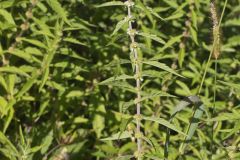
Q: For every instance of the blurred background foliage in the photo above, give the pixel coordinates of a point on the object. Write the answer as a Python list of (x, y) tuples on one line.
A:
[(54, 54)]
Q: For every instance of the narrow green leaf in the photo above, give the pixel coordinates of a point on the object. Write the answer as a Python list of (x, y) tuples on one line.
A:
[(78, 120), (74, 41), (35, 42), (121, 77), (126, 157), (22, 139), (56, 6), (21, 54), (181, 56), (44, 78), (118, 136), (27, 85), (120, 25), (7, 16), (99, 120), (3, 105), (46, 142), (226, 117), (172, 41), (11, 69), (194, 35), (162, 66), (3, 83), (9, 116), (113, 3), (154, 13), (175, 16), (5, 141), (44, 27), (164, 123), (233, 85), (148, 141), (11, 83), (33, 51), (73, 93), (55, 85), (152, 36), (171, 3)]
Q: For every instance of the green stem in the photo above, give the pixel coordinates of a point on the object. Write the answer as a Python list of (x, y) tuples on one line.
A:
[(214, 105)]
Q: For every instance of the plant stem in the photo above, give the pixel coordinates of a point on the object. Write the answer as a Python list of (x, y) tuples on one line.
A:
[(137, 76), (214, 105)]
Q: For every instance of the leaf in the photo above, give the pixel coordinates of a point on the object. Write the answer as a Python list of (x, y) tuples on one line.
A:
[(113, 3), (73, 93), (27, 85), (7, 143), (194, 18), (125, 157), (55, 85), (226, 117), (99, 120), (78, 120), (117, 62), (7, 16), (194, 35), (44, 27), (181, 56), (118, 136), (44, 78), (121, 77), (153, 94), (56, 6), (22, 139), (34, 42), (6, 4), (171, 42), (146, 96), (11, 69), (33, 51), (123, 85), (154, 13), (171, 3), (3, 105), (120, 25), (232, 22), (148, 141), (11, 83), (184, 90), (46, 142), (3, 83), (74, 41), (21, 54), (164, 123), (162, 66), (9, 116), (174, 16), (233, 85), (35, 149), (152, 36), (153, 73)]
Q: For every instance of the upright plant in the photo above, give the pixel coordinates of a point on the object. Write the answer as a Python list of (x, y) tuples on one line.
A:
[(136, 61)]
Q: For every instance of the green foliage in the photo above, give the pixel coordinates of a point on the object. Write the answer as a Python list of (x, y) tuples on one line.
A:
[(68, 81)]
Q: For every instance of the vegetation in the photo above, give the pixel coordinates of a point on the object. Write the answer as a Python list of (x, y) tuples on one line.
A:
[(134, 79)]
